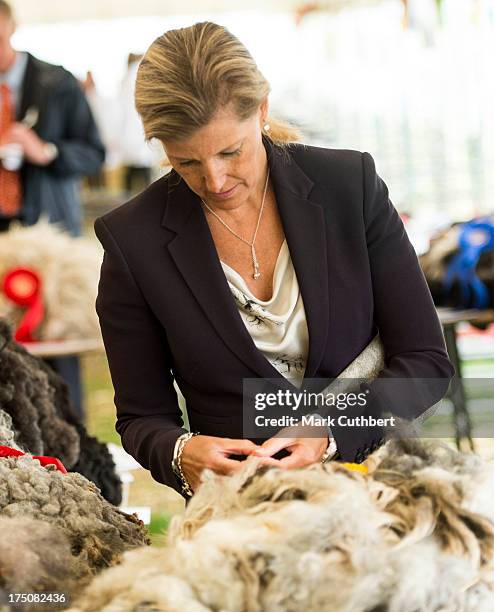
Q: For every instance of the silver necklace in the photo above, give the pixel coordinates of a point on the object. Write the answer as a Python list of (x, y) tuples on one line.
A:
[(255, 263)]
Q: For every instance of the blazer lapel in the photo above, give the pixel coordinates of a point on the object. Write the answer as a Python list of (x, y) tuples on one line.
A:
[(39, 80), (195, 255), (304, 226), (31, 90)]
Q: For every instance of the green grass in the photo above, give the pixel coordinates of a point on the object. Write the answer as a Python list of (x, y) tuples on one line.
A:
[(98, 392), (481, 361), (159, 523)]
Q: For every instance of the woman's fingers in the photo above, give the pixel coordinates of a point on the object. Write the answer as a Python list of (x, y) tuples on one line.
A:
[(290, 437), (211, 452), (223, 465), (238, 447), (272, 446), (214, 453), (269, 461)]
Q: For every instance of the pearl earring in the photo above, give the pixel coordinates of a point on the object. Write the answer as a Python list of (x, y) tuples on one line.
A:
[(266, 127)]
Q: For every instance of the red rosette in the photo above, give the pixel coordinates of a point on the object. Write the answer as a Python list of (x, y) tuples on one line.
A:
[(23, 287), (7, 451)]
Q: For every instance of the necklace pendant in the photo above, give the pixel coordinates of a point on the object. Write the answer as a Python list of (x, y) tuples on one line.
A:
[(255, 263)]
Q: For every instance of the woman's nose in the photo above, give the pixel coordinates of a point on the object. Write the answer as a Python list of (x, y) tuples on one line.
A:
[(214, 178)]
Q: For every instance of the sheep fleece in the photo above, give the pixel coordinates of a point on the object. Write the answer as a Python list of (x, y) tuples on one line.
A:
[(97, 531), (413, 535), (69, 270)]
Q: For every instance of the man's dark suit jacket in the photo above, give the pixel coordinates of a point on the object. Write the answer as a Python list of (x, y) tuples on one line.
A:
[(65, 119), (166, 311)]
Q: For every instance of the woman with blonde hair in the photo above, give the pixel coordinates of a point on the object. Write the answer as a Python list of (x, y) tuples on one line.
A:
[(254, 258)]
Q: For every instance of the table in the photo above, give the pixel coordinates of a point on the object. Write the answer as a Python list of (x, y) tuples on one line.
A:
[(64, 348), (449, 319)]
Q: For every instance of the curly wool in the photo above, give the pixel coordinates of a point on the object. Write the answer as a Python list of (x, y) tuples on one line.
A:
[(267, 539), (97, 465), (44, 420), (36, 557), (95, 461), (28, 398), (69, 268), (7, 433), (98, 532), (14, 394), (437, 491), (433, 262)]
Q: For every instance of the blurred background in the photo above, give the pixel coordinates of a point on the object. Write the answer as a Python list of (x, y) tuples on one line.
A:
[(410, 81)]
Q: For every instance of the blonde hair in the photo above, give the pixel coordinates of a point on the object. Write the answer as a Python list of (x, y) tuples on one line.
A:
[(6, 10), (188, 74)]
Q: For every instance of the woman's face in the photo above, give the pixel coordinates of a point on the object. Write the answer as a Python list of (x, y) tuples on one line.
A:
[(224, 162)]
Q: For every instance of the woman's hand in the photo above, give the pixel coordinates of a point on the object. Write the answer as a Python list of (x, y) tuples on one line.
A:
[(201, 452), (305, 444)]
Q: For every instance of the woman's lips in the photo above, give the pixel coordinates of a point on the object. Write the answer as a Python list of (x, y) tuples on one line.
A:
[(223, 194)]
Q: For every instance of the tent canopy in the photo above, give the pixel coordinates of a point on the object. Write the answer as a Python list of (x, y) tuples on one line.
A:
[(49, 11)]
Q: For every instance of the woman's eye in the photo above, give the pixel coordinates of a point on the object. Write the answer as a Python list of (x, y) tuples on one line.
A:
[(190, 162), (231, 153)]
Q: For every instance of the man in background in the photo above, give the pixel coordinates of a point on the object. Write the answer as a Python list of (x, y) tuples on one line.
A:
[(48, 140), (46, 122)]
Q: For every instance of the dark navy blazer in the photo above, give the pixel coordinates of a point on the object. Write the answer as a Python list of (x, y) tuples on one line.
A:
[(65, 119), (167, 314)]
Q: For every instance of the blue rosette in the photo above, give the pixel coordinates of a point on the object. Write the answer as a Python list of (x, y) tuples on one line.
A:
[(475, 238)]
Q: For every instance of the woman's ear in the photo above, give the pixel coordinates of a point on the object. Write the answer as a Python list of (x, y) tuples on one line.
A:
[(263, 111)]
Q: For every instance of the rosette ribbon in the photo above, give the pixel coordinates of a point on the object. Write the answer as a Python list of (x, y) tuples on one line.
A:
[(23, 287), (475, 238), (6, 451)]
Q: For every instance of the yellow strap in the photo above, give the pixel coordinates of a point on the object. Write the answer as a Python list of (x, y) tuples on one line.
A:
[(356, 467)]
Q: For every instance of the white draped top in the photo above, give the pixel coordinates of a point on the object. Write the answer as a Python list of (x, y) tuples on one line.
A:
[(277, 326)]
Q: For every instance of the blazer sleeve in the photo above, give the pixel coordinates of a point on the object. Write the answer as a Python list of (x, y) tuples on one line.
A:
[(403, 308), (149, 419), (80, 149), (417, 369)]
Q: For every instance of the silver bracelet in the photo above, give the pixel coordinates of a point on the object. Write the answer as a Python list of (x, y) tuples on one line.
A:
[(332, 448), (330, 452), (177, 461)]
